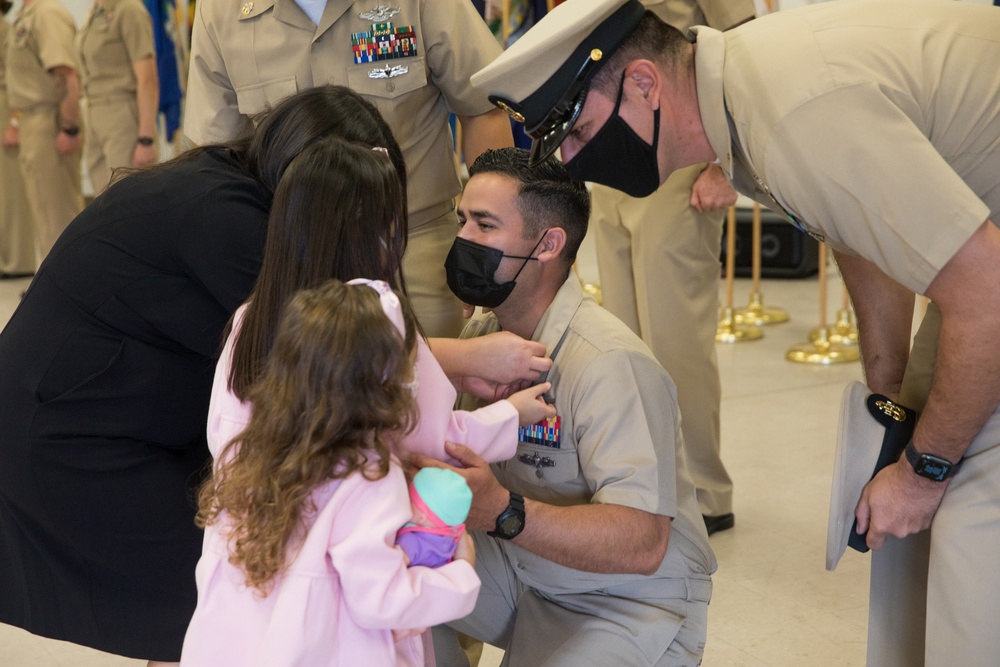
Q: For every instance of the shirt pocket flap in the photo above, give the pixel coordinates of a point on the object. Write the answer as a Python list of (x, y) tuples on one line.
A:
[(388, 78), (261, 96), (544, 466)]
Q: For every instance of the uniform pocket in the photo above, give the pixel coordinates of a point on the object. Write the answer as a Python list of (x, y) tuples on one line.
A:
[(261, 96), (544, 466), (388, 79)]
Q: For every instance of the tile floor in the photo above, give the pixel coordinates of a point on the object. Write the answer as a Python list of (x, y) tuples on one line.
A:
[(774, 604)]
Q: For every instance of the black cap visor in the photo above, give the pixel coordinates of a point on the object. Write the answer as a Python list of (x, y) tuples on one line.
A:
[(555, 127)]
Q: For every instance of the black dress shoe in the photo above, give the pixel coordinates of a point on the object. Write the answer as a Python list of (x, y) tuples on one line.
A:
[(721, 522)]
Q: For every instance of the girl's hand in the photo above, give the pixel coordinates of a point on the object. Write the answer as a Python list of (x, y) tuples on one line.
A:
[(465, 550), (531, 405)]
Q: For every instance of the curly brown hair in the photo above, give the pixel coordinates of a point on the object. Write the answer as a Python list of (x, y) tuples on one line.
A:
[(331, 400)]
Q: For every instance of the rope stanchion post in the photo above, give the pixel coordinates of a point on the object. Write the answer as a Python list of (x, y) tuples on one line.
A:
[(731, 331)]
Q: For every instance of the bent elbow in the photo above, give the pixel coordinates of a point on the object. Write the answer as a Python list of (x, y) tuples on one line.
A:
[(653, 556)]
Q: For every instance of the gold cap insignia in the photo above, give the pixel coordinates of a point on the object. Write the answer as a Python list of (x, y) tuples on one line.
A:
[(513, 114), (892, 410)]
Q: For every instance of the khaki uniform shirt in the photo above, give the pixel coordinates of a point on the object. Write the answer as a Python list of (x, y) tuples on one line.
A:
[(412, 60), (116, 34), (880, 137), (616, 439), (4, 39), (684, 14), (42, 40)]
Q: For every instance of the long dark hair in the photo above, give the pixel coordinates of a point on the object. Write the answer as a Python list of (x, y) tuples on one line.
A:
[(328, 403), (338, 212)]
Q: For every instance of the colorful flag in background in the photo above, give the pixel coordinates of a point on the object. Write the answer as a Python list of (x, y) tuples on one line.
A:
[(165, 38)]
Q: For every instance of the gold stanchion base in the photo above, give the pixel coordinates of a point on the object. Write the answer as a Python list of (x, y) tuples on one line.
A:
[(730, 331), (823, 351), (594, 290), (757, 315), (843, 331)]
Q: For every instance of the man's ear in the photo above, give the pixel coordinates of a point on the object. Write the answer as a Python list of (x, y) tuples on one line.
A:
[(646, 77), (553, 244)]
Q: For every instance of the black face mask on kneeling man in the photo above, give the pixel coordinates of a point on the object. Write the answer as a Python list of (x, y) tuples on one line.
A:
[(618, 157), (470, 268)]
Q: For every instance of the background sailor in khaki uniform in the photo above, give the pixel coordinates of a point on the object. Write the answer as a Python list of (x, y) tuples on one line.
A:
[(875, 127), (658, 259), (42, 84), (17, 240), (120, 88), (249, 54)]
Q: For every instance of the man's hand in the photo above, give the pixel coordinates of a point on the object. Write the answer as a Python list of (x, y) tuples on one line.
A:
[(66, 144), (712, 190), (143, 155), (897, 502), (488, 498), (11, 136)]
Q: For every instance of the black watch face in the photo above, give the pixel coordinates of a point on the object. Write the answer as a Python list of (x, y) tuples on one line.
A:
[(932, 467), (510, 524)]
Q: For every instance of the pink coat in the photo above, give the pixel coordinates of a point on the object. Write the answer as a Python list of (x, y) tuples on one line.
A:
[(348, 586)]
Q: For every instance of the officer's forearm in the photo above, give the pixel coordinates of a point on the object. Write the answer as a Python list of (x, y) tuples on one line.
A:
[(610, 539), (884, 310), (69, 88), (485, 131), (966, 386), (147, 95)]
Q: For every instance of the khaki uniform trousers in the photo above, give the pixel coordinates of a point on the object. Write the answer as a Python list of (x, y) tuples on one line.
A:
[(112, 125), (629, 624), (437, 309), (659, 265), (935, 596), (17, 240), (52, 181)]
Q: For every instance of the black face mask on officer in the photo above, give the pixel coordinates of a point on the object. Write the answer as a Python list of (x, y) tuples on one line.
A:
[(470, 269), (618, 157)]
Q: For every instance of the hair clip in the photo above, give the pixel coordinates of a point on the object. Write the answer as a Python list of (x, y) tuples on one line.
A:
[(381, 149)]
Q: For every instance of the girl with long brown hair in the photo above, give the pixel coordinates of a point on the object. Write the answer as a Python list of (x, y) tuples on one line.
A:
[(301, 513)]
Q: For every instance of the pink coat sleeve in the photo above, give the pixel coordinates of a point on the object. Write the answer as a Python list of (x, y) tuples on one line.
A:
[(491, 431), (379, 590), (227, 415)]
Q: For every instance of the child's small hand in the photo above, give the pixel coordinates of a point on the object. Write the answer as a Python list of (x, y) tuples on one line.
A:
[(531, 406), (465, 550)]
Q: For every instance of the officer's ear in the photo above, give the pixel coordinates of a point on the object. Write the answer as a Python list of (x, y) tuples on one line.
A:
[(552, 245), (643, 78)]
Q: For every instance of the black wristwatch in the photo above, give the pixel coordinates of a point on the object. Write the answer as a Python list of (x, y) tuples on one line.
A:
[(932, 467), (70, 131), (510, 523), (144, 141)]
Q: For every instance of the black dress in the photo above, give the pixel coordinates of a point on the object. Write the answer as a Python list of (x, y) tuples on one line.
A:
[(105, 374)]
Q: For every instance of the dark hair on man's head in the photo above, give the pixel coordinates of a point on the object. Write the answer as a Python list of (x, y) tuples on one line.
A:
[(651, 40), (547, 196), (338, 212)]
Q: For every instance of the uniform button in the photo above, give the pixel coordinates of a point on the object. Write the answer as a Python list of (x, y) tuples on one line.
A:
[(520, 566), (390, 86)]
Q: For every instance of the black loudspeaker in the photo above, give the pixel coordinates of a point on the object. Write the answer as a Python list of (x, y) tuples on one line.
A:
[(785, 252)]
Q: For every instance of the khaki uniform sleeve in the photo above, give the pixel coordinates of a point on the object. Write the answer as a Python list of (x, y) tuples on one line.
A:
[(56, 37), (211, 112), (894, 197), (458, 44), (627, 453), (136, 31)]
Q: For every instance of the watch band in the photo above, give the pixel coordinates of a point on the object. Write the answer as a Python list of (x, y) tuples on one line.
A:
[(929, 466)]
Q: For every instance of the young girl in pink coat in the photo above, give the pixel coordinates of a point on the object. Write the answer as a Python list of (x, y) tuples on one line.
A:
[(336, 199)]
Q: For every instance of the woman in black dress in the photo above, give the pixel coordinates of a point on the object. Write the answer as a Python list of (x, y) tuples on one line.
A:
[(105, 373)]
